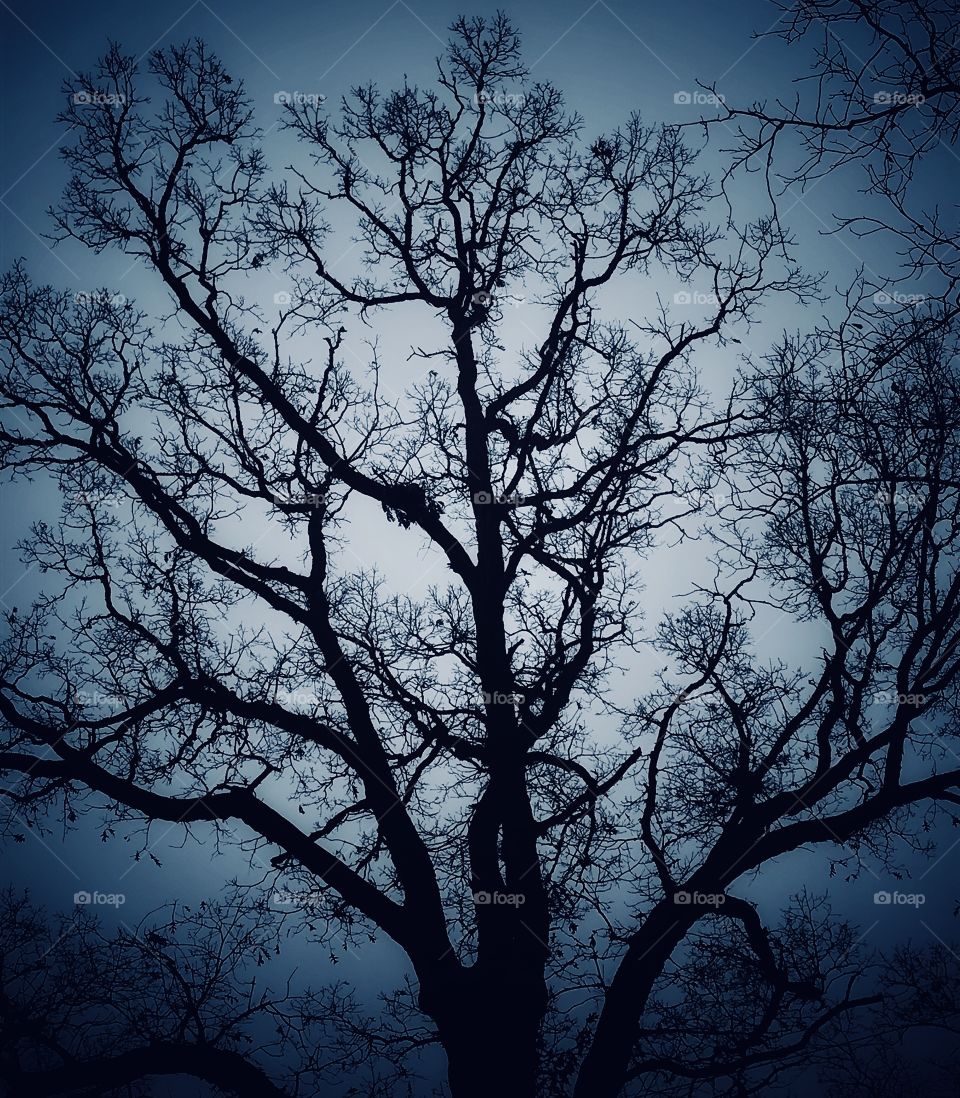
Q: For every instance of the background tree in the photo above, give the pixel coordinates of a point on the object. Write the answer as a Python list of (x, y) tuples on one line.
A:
[(883, 97), (465, 776), (919, 992), (178, 994)]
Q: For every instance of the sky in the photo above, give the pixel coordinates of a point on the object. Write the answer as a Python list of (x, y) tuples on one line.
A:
[(609, 59)]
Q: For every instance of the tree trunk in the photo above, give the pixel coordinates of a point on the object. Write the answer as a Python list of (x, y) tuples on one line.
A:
[(496, 1060), (603, 1071), (489, 1026)]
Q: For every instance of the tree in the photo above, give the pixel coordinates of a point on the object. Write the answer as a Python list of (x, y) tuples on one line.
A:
[(919, 993), (463, 776), (883, 96), (177, 994)]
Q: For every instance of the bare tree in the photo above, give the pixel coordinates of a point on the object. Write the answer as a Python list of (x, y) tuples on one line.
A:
[(176, 995), (883, 96), (465, 776), (879, 1054)]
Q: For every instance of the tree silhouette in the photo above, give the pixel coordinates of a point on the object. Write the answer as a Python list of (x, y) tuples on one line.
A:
[(178, 994), (884, 96), (556, 852)]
